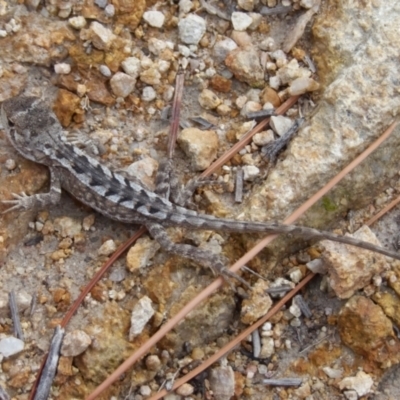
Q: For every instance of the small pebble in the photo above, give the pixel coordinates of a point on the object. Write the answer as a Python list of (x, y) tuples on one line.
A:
[(148, 94), (185, 390), (10, 346), (250, 172), (110, 10), (62, 69), (10, 164), (145, 390), (75, 343), (107, 248), (141, 314), (131, 66), (154, 18), (280, 124), (208, 99), (241, 21), (191, 29), (105, 71), (122, 84), (77, 22), (101, 3), (153, 362)]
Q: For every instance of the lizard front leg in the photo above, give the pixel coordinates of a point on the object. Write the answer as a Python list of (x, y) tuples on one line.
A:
[(215, 262), (167, 185), (40, 200)]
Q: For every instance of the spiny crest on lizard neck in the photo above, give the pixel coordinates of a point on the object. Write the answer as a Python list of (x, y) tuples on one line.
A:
[(32, 129)]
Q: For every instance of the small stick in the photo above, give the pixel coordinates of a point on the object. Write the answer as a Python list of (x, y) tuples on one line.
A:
[(283, 382), (299, 300), (3, 394), (15, 316), (275, 10), (50, 368), (255, 335), (176, 110), (239, 186)]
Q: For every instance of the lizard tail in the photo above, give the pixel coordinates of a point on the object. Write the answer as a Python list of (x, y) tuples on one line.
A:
[(228, 225)]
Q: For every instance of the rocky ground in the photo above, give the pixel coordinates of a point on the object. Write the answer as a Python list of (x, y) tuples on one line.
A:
[(108, 71)]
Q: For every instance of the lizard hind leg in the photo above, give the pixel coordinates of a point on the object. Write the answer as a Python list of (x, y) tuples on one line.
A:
[(215, 262)]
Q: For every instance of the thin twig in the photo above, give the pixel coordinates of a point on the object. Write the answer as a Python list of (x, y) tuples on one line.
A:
[(256, 342), (15, 316), (176, 110), (392, 204), (50, 368), (283, 382), (3, 394), (239, 185)]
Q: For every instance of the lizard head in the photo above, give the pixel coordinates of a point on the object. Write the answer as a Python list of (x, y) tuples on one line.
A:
[(31, 126)]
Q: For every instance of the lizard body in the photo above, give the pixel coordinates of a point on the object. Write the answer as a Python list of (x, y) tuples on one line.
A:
[(36, 134)]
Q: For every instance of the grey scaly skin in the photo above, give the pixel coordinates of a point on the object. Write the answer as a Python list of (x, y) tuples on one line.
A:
[(36, 134)]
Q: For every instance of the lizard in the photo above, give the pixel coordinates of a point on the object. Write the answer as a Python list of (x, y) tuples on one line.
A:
[(35, 132)]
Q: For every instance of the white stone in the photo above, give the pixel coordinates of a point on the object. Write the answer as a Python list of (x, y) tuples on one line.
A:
[(222, 48), (296, 275), (241, 21), (247, 5), (141, 314), (110, 10), (62, 69), (292, 71), (274, 82), (307, 3), (185, 6), (250, 106), (191, 29), (294, 309), (163, 65), (333, 373), (101, 3), (10, 346), (208, 99), (157, 46), (122, 84), (145, 390), (148, 94), (280, 124), (264, 137), (67, 227), (350, 395), (75, 343), (154, 18), (131, 66), (101, 36), (184, 50), (145, 170), (302, 85), (361, 383), (77, 22), (107, 248), (317, 266), (250, 172), (105, 71), (267, 44), (267, 347)]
